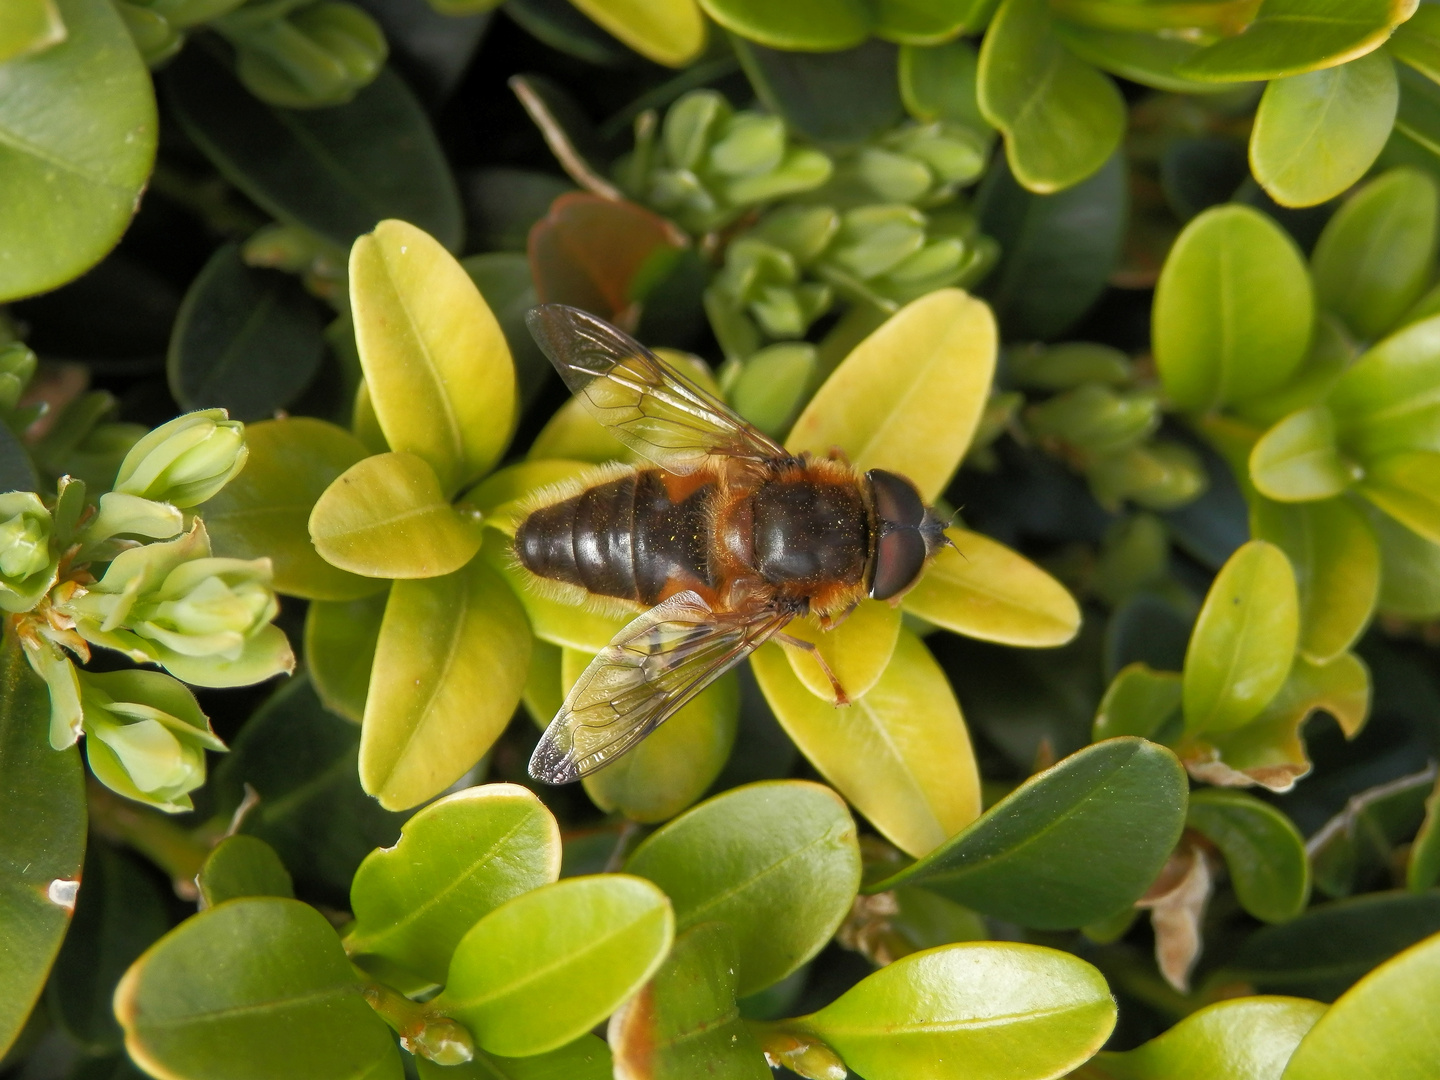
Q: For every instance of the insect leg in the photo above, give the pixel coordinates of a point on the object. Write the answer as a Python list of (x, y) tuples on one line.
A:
[(841, 698)]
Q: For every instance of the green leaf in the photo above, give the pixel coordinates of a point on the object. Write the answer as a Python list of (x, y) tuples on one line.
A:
[(1233, 309), (1248, 1038), (777, 861), (29, 26), (1139, 701), (1244, 640), (449, 668), (1336, 560), (909, 397), (1409, 570), (831, 97), (685, 1022), (1073, 844), (1002, 1009), (1324, 951), (857, 651), (1382, 1025), (77, 139), (670, 32), (1297, 459), (120, 912), (256, 987), (1389, 401), (541, 970), (335, 171), (436, 362), (1140, 56), (1374, 258), (1057, 251), (1061, 118), (1263, 851), (242, 866), (937, 82), (457, 860), (42, 838), (340, 640), (245, 340), (1407, 487), (901, 755), (587, 1058), (1358, 845), (1318, 133), (503, 278), (1288, 37), (929, 22), (265, 511), (984, 590), (387, 517), (810, 25)]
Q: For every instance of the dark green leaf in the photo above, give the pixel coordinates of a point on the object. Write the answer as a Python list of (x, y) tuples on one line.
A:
[(841, 97), (340, 640), (1357, 845), (1139, 701), (242, 866), (1263, 851), (558, 24), (17, 473), (504, 281)]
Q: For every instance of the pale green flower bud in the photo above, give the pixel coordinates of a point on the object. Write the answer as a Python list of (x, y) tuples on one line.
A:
[(185, 461), (27, 567), (209, 607), (17, 368), (146, 736)]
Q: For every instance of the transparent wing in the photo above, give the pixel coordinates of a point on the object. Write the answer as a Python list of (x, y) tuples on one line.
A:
[(646, 403), (653, 667)]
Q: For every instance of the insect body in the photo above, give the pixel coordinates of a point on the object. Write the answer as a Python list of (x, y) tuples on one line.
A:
[(721, 545)]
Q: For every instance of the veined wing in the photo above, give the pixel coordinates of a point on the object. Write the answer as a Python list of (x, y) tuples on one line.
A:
[(649, 671), (647, 404)]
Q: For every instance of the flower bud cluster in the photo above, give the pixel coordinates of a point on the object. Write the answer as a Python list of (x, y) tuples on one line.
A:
[(1102, 420), (923, 165)]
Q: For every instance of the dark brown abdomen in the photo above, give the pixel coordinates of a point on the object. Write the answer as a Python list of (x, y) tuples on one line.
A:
[(623, 538)]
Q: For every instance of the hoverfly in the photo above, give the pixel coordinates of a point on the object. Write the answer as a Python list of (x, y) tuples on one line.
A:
[(721, 546)]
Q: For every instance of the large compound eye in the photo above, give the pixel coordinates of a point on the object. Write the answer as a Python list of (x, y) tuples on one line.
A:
[(896, 500), (899, 559)]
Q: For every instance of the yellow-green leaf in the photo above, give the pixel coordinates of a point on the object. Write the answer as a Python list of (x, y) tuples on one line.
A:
[(908, 397), (1297, 459), (984, 590), (670, 32), (856, 651), (386, 517), (449, 668), (1407, 487), (900, 755), (439, 371)]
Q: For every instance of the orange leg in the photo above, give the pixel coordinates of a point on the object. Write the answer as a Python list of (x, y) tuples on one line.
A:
[(841, 698)]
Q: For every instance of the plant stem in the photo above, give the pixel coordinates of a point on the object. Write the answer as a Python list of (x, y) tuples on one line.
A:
[(178, 852)]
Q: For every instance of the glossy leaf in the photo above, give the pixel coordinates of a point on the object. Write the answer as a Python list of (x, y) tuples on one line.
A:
[(1248, 1038), (983, 589), (1244, 640), (670, 32), (937, 82), (456, 861), (1072, 845), (77, 139), (1139, 701), (253, 988), (1297, 459), (541, 970), (587, 1058), (336, 171), (1001, 1008), (1336, 560), (815, 25), (1409, 570), (1318, 133), (684, 1022), (29, 26), (1388, 402), (1233, 309), (908, 398), (1374, 258), (573, 434), (857, 651), (264, 511), (436, 361), (340, 640), (843, 96), (242, 866), (42, 838), (1407, 487), (387, 517), (1146, 58), (449, 668), (777, 861), (1381, 1026), (1061, 118), (1263, 851), (901, 755), (245, 340), (1288, 37)]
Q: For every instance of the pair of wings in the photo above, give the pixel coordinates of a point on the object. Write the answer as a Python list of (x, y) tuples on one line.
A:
[(662, 659)]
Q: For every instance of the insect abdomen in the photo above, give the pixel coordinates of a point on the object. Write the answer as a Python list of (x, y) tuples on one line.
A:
[(623, 538)]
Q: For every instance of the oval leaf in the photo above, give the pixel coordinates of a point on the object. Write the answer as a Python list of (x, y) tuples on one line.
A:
[(857, 651), (908, 397), (1070, 846), (340, 640), (1263, 851), (449, 668), (242, 866), (1407, 487), (387, 517), (1139, 701), (456, 861), (777, 861), (1390, 399), (436, 361), (670, 32), (901, 755), (811, 25), (541, 970), (1297, 459)]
